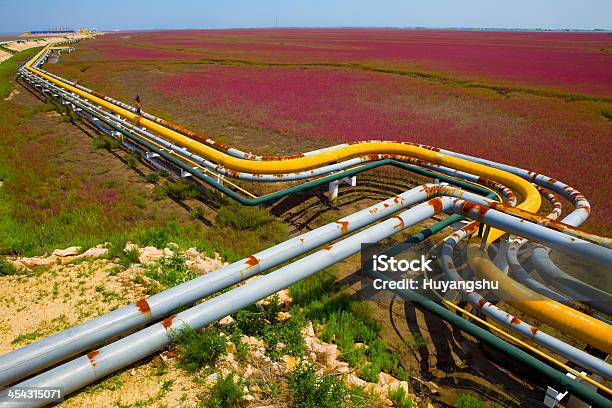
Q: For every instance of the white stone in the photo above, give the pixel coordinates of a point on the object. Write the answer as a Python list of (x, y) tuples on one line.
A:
[(226, 321), (71, 251)]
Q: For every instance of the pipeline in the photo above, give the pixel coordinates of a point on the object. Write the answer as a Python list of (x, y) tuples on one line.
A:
[(101, 362), (237, 164)]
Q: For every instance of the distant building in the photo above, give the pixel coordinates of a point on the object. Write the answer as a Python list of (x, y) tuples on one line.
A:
[(54, 31)]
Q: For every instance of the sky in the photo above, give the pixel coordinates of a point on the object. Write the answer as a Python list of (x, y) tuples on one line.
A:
[(168, 14)]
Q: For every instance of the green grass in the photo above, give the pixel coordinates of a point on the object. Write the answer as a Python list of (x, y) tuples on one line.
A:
[(265, 325), (241, 217), (170, 271), (308, 390), (7, 268), (346, 322), (226, 393), (400, 398), (199, 349), (469, 401)]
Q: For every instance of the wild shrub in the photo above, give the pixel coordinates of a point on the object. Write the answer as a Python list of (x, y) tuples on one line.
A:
[(265, 325), (469, 401), (7, 268), (133, 159), (100, 143), (152, 177), (197, 213), (226, 393), (170, 271), (129, 257), (242, 217), (399, 397), (199, 349), (242, 349), (311, 391), (179, 190), (346, 322), (156, 236), (311, 289)]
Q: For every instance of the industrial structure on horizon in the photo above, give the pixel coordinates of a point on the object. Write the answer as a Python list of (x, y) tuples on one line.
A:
[(57, 31)]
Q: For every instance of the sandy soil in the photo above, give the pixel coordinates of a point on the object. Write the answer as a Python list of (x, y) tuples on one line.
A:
[(4, 55)]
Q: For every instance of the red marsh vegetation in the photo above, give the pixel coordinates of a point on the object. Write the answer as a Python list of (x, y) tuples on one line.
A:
[(538, 100)]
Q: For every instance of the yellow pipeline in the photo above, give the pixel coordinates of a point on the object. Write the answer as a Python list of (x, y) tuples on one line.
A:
[(530, 348), (557, 315), (531, 203)]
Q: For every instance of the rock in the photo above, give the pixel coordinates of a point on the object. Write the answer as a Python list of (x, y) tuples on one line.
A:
[(71, 251), (132, 372), (212, 378), (352, 379), (149, 255), (290, 362), (282, 316), (309, 330), (248, 397), (252, 341), (96, 252), (384, 378), (329, 350), (129, 246), (34, 262), (381, 389), (284, 298), (399, 384), (205, 265), (249, 370), (229, 358), (342, 369), (226, 321), (312, 343), (433, 388), (192, 253)]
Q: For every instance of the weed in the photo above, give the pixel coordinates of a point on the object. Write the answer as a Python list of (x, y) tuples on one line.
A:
[(129, 257), (197, 213), (100, 143), (179, 190), (113, 383), (133, 159), (45, 328), (7, 268), (242, 349), (399, 397), (152, 177), (170, 271), (200, 348), (242, 217), (311, 391), (226, 393), (469, 401), (264, 324), (346, 322)]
